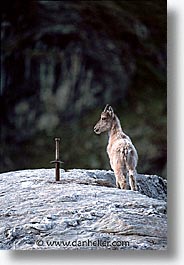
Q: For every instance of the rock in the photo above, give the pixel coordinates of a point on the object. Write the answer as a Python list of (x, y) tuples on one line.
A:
[(84, 210)]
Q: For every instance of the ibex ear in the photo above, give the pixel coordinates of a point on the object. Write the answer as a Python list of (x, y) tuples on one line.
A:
[(106, 108), (110, 111)]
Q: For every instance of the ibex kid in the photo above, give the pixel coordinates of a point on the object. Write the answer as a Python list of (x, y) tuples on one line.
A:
[(122, 153)]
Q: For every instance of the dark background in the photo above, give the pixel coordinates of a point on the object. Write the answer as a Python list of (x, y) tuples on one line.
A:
[(62, 61)]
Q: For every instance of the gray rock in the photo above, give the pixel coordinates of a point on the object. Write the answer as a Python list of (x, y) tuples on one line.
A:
[(84, 210)]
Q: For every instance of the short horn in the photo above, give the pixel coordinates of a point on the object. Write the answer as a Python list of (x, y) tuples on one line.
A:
[(106, 107)]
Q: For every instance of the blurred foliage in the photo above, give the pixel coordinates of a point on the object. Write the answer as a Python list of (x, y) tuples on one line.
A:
[(62, 61)]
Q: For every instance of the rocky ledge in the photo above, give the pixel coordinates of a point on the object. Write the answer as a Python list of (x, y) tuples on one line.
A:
[(82, 211)]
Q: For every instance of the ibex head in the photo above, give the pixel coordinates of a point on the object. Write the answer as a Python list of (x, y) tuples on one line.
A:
[(105, 122)]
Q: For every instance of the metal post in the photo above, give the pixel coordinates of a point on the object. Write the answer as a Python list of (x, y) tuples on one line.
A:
[(57, 162)]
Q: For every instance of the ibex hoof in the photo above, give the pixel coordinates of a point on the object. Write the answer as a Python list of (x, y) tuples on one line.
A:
[(134, 188), (121, 185)]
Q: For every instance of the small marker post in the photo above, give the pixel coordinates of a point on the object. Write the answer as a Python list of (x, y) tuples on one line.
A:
[(57, 162)]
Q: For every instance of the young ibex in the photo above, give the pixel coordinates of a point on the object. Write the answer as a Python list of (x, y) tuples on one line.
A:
[(122, 154)]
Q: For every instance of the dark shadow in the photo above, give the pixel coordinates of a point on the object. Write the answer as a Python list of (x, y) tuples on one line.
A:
[(173, 133)]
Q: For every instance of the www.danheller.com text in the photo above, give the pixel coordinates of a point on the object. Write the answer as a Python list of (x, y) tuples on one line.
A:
[(81, 243)]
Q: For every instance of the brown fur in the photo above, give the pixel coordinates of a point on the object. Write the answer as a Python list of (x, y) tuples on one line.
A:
[(122, 153)]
